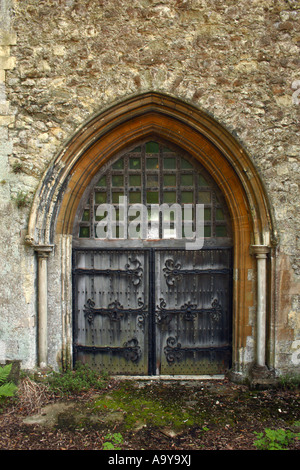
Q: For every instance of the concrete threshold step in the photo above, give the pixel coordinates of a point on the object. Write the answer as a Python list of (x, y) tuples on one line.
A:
[(169, 377)]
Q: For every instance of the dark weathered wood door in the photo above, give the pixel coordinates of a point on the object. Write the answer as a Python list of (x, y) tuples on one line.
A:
[(153, 311), (111, 310), (192, 311)]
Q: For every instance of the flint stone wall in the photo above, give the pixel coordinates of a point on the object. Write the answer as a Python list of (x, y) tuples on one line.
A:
[(62, 61)]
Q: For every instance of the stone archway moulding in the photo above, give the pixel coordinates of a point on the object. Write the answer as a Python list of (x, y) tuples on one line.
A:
[(157, 115)]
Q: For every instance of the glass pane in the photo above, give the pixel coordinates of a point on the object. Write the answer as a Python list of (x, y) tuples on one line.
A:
[(134, 163), (117, 213), (169, 180), (117, 180), (169, 232), (100, 233), (116, 196), (187, 230), (134, 180), (137, 149), (188, 214), (152, 147), (153, 231), (86, 215), (152, 181), (187, 180), (166, 149), (170, 197), (207, 231), (170, 163), (153, 213), (187, 197), (221, 231), (204, 197), (202, 181), (102, 181), (168, 216), (135, 197), (152, 197), (118, 231), (207, 214), (185, 164), (135, 214), (100, 198), (100, 217), (220, 214), (84, 232), (152, 163), (118, 165)]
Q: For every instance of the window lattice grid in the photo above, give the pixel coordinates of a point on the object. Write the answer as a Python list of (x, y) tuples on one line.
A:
[(153, 174)]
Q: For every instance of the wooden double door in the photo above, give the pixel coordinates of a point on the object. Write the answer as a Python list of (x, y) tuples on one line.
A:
[(153, 311)]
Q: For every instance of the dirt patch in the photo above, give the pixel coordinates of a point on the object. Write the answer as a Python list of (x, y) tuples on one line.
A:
[(191, 415)]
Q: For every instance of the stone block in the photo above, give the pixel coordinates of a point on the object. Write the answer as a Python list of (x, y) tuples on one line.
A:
[(7, 120), (7, 63), (4, 108), (4, 51), (8, 38)]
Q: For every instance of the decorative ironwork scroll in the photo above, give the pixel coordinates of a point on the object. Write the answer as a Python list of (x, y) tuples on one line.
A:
[(115, 311), (174, 272), (131, 350), (135, 272), (161, 316), (189, 311), (175, 352)]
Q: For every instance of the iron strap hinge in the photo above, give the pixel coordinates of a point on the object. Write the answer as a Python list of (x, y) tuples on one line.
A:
[(131, 350)]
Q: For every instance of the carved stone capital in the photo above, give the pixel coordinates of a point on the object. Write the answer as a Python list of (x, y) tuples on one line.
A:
[(260, 251), (43, 251)]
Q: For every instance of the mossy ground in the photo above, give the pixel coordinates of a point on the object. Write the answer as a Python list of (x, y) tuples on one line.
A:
[(150, 406), (195, 415), (185, 407)]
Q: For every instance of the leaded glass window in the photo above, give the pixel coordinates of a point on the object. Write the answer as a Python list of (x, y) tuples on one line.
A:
[(151, 175)]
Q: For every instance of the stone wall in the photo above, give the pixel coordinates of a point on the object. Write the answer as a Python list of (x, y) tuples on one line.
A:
[(62, 61)]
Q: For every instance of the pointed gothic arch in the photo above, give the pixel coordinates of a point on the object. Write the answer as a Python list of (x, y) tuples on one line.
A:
[(155, 115)]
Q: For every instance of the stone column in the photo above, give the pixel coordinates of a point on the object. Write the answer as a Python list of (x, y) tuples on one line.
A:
[(261, 253), (43, 252)]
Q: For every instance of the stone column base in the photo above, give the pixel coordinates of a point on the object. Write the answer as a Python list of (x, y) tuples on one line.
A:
[(256, 377), (261, 378)]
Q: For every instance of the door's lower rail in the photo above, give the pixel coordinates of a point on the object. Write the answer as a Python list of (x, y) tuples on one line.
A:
[(131, 350)]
